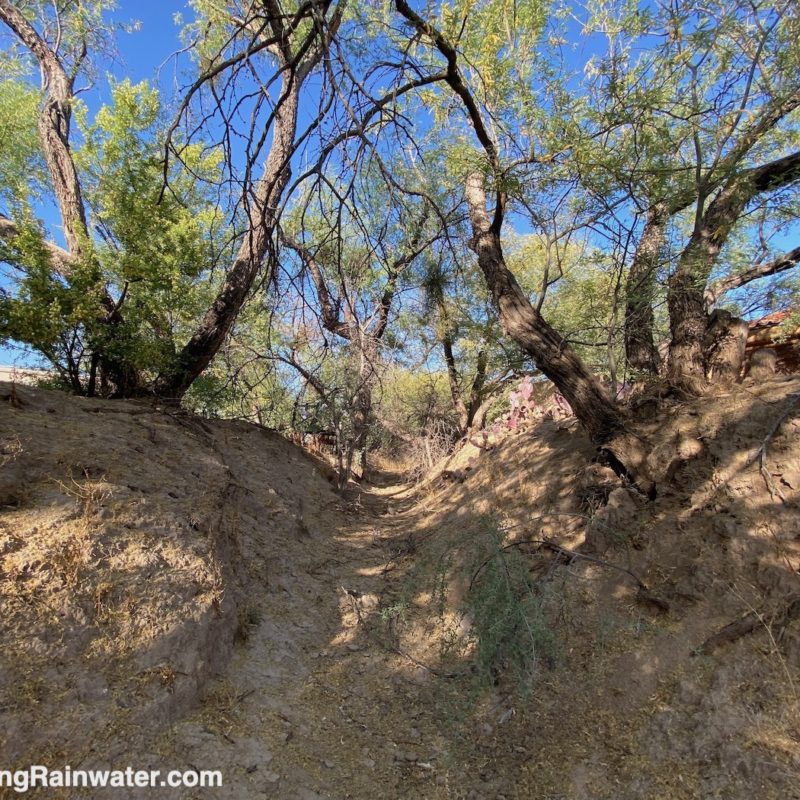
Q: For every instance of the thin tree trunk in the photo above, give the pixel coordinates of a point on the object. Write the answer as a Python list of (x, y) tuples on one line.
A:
[(454, 380), (201, 348), (366, 353), (477, 390), (479, 418)]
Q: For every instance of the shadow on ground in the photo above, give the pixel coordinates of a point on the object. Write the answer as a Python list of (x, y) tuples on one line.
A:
[(353, 676)]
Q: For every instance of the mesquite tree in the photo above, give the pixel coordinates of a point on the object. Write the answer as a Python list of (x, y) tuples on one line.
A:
[(519, 317), (687, 287), (61, 50), (717, 98), (274, 47), (296, 42)]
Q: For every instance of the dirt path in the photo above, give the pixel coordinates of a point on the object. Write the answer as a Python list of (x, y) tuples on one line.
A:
[(143, 514), (323, 702), (312, 705)]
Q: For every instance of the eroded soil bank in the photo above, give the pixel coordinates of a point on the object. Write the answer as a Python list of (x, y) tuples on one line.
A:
[(189, 594)]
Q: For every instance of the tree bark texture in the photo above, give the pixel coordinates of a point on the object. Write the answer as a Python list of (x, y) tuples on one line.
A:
[(687, 286), (201, 348), (640, 348), (592, 405), (724, 347)]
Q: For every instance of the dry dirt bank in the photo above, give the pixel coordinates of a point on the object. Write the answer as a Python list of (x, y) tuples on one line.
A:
[(339, 685)]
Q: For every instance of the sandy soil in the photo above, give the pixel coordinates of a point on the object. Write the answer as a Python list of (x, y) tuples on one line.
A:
[(337, 684)]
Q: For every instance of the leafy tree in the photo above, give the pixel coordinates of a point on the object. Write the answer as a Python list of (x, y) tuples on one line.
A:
[(110, 300), (716, 97), (521, 320)]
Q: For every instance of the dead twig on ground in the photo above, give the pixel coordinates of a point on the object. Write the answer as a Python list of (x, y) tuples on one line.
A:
[(750, 622)]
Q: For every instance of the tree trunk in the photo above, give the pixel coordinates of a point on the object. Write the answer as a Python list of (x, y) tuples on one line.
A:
[(724, 345), (686, 298), (454, 379), (366, 353), (477, 391), (198, 352), (640, 349), (479, 417), (591, 403), (54, 130), (54, 127), (525, 325), (688, 320)]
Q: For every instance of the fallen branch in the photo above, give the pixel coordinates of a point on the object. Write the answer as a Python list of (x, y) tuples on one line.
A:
[(747, 624)]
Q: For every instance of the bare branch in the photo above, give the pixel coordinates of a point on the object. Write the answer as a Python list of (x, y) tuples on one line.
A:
[(781, 264)]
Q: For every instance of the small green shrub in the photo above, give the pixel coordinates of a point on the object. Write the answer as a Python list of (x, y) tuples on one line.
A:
[(508, 631), (490, 612)]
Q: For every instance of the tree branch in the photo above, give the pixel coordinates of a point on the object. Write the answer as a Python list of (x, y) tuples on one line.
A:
[(330, 307), (62, 260), (455, 81), (781, 264)]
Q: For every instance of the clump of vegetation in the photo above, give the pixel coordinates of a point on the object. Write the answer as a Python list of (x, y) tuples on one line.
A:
[(509, 633), (492, 622)]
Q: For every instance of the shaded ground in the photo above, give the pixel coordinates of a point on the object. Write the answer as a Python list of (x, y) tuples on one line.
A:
[(339, 686)]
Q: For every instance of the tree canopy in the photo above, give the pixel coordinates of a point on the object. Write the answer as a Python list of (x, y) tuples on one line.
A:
[(330, 194)]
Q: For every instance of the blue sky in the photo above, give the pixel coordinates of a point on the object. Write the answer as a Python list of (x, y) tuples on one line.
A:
[(141, 52)]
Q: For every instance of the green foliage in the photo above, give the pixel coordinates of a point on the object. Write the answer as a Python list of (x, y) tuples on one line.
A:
[(508, 630), (21, 167), (415, 401), (499, 40), (238, 386), (156, 235), (583, 303), (499, 628), (82, 31), (155, 247), (45, 310)]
